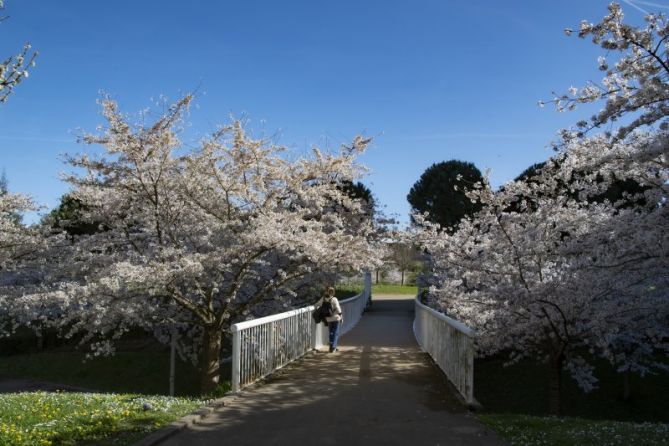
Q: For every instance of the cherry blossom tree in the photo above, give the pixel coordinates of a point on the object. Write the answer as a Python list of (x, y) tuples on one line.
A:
[(25, 253), (15, 68), (555, 281), (547, 271), (16, 241), (192, 240), (636, 67)]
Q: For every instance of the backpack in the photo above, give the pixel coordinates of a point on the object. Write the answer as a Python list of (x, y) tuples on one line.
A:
[(326, 310)]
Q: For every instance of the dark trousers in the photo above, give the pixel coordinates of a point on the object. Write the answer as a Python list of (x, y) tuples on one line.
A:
[(334, 333)]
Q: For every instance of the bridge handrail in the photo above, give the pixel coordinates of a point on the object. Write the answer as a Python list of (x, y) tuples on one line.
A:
[(261, 346), (268, 319), (450, 343), (353, 307), (450, 321)]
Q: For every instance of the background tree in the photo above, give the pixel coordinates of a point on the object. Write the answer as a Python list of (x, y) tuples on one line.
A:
[(531, 173), (623, 193), (4, 183), (15, 68), (383, 224), (441, 192), (404, 256), (358, 191), (69, 216)]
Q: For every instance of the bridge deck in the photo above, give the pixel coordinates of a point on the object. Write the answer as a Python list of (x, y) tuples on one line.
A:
[(378, 389)]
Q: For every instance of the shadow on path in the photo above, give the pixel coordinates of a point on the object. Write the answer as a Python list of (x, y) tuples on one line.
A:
[(378, 389)]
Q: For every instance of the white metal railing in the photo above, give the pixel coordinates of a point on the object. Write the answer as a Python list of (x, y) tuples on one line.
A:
[(353, 307), (450, 344), (261, 346)]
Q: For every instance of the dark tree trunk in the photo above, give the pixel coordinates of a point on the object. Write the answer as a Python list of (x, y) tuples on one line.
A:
[(210, 360), (555, 385), (627, 391), (40, 340), (377, 276), (402, 282)]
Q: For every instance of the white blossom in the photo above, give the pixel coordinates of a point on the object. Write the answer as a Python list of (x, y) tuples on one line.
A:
[(192, 240)]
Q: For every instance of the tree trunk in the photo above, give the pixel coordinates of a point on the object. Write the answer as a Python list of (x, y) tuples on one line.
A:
[(627, 391), (40, 340), (209, 361), (402, 282), (555, 385), (377, 276)]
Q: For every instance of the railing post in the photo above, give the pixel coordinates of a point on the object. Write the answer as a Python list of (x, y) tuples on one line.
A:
[(314, 333), (173, 348), (236, 360), (470, 372), (368, 288), (270, 355)]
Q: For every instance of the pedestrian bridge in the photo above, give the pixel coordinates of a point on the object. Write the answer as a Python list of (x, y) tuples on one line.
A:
[(380, 388)]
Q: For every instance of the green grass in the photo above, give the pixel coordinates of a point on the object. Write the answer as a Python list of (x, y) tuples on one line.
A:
[(43, 418), (345, 291), (532, 430), (125, 372), (515, 404), (523, 389), (384, 288), (96, 419)]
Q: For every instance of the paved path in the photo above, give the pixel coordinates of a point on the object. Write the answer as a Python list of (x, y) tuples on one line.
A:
[(378, 389)]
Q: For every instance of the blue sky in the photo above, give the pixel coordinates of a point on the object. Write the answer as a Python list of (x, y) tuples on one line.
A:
[(429, 80)]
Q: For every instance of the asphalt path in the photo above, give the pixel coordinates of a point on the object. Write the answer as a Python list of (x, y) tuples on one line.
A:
[(379, 388)]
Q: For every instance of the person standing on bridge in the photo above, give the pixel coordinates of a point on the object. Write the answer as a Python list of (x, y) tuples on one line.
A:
[(331, 310)]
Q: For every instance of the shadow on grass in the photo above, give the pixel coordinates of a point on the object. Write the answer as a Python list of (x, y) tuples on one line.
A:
[(145, 372), (523, 389)]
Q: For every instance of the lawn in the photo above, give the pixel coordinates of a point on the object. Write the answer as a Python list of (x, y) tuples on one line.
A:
[(42, 418), (344, 291), (387, 288), (141, 366), (515, 404), (137, 377), (523, 389), (125, 372), (530, 430)]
